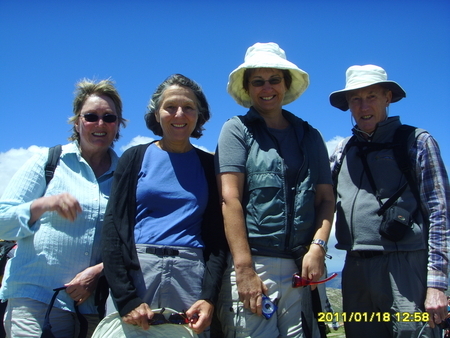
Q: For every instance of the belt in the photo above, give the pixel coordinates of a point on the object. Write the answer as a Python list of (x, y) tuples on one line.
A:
[(366, 254), (162, 251)]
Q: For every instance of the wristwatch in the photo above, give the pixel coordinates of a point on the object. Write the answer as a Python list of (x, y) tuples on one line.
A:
[(321, 243)]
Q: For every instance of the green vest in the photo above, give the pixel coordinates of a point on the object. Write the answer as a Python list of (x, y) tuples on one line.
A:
[(274, 226)]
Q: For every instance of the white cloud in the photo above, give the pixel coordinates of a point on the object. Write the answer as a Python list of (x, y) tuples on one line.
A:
[(12, 160), (203, 148), (135, 141), (331, 144)]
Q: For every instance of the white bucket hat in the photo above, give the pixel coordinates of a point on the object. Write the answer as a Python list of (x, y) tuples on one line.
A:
[(364, 76), (266, 55), (112, 326)]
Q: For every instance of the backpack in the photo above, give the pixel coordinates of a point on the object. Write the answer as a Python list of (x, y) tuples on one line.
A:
[(52, 162)]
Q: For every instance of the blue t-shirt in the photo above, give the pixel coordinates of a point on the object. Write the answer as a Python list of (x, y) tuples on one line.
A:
[(171, 197)]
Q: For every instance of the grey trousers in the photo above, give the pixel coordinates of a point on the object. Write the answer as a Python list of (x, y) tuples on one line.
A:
[(384, 296), (24, 317), (169, 281)]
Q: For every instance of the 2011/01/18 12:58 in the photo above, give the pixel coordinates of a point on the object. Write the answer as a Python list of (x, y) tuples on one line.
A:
[(373, 316)]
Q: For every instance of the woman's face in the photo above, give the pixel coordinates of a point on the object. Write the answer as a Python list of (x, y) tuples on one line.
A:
[(98, 135), (267, 98), (178, 113)]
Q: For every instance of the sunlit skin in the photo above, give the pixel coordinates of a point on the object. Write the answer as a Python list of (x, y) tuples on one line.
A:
[(96, 137), (267, 100), (368, 106), (177, 115)]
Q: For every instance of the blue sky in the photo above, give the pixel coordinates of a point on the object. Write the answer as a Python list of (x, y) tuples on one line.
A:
[(47, 46)]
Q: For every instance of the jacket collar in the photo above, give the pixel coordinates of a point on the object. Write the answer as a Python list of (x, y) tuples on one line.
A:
[(383, 133)]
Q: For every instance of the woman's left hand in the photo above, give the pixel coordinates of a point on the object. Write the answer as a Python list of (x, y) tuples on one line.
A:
[(84, 283), (313, 264), (200, 315)]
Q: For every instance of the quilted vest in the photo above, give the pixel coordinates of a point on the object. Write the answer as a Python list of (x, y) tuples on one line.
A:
[(275, 227), (357, 222)]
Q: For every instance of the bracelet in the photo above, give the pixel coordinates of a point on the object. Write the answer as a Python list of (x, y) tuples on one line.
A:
[(323, 245), (320, 243)]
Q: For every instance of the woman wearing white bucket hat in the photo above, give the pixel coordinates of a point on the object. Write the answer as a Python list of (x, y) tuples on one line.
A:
[(392, 213), (274, 177)]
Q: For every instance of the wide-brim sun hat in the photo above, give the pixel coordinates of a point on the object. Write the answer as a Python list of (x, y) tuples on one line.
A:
[(266, 55), (112, 326), (358, 77)]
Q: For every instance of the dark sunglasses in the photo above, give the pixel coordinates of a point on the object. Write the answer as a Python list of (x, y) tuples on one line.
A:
[(298, 281), (261, 82), (107, 118), (174, 318)]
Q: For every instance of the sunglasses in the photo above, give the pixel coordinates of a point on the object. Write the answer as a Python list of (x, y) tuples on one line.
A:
[(107, 118), (298, 281), (261, 82), (174, 318)]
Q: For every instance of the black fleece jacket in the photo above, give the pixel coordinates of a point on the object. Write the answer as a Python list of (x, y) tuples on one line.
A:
[(118, 246)]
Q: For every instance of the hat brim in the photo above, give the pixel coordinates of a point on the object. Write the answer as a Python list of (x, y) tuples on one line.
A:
[(338, 98), (235, 87)]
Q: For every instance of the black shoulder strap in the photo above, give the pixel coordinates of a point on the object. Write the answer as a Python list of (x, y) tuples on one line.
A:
[(401, 154), (53, 158), (401, 151)]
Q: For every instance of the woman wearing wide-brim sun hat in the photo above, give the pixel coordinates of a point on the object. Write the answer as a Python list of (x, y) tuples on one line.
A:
[(274, 177)]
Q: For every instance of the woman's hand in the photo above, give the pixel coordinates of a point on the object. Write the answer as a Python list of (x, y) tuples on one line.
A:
[(313, 266), (140, 316), (250, 288), (200, 315), (83, 284), (66, 205)]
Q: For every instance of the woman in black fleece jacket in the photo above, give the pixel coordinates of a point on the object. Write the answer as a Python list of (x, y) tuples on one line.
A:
[(119, 251)]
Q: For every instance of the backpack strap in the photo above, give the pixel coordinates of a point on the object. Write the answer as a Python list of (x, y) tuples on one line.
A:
[(401, 155), (53, 158), (402, 137)]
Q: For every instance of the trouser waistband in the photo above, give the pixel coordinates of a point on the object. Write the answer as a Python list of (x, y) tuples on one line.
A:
[(169, 251), (367, 253)]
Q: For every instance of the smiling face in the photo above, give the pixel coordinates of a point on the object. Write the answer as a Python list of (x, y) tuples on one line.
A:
[(177, 115), (368, 106), (96, 136), (268, 98)]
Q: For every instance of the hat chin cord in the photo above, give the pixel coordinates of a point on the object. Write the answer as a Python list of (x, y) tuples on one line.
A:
[(355, 126)]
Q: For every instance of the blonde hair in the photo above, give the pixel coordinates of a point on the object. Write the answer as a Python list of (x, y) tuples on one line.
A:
[(86, 88)]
